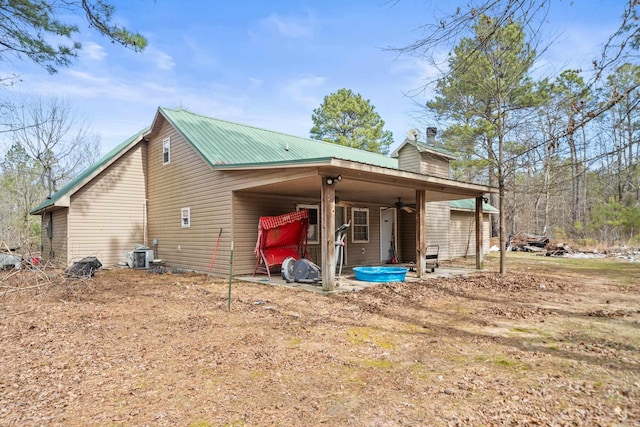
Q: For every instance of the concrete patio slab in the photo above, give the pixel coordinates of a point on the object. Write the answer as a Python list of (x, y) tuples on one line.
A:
[(348, 283)]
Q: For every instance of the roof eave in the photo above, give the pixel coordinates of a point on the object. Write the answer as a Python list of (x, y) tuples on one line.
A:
[(389, 174)]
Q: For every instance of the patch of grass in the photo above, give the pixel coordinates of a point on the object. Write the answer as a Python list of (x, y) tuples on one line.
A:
[(362, 336), (295, 342), (351, 375), (502, 362), (259, 374), (418, 370), (613, 269), (378, 363), (460, 360)]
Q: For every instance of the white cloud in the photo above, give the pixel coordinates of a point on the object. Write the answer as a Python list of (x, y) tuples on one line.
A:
[(293, 27), (302, 90), (93, 51), (162, 60)]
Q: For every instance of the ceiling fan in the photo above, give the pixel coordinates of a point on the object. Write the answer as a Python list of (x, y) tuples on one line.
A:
[(401, 206)]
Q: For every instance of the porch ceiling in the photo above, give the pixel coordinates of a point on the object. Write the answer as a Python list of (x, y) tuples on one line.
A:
[(347, 190), (369, 187)]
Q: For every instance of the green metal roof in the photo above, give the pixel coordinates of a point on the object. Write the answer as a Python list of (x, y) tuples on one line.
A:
[(435, 148), (422, 147), (226, 144), (470, 204), (50, 201)]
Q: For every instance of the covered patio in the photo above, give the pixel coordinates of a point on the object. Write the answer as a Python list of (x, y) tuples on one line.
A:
[(336, 182)]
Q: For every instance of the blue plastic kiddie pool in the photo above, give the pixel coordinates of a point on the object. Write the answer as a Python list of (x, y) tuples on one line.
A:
[(380, 274)]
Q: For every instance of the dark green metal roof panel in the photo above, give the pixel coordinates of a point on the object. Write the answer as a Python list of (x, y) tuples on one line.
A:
[(223, 143), (470, 204), (87, 173)]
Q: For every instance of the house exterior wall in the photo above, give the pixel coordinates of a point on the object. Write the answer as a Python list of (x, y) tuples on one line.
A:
[(409, 158), (438, 225), (371, 255), (463, 236), (186, 181), (54, 249), (431, 164), (106, 215), (406, 236)]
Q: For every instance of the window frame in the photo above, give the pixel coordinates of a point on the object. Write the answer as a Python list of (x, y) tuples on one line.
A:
[(166, 151), (355, 226), (314, 229), (186, 224)]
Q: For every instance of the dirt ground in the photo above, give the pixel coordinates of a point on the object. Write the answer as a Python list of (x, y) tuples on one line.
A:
[(548, 344)]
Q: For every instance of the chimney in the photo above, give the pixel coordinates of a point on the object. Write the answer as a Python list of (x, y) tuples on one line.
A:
[(431, 135)]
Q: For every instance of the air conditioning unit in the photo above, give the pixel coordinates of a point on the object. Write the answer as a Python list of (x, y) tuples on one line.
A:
[(142, 258)]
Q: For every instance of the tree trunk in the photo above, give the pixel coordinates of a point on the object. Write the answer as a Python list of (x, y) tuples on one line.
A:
[(501, 189), (575, 179)]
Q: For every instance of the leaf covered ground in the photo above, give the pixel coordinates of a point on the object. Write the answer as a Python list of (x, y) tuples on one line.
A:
[(547, 344)]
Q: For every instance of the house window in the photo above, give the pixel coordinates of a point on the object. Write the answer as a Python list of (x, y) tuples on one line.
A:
[(360, 221), (314, 222), (186, 217), (166, 151)]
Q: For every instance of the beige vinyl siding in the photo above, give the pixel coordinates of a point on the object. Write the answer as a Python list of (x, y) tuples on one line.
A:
[(409, 158), (406, 236), (107, 214), (434, 165), (54, 250), (463, 234), (371, 255), (188, 181), (437, 217)]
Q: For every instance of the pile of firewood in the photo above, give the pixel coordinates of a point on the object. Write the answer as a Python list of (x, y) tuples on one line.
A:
[(527, 242), (557, 249)]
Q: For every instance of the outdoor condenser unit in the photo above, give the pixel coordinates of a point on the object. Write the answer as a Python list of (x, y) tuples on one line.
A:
[(142, 258)]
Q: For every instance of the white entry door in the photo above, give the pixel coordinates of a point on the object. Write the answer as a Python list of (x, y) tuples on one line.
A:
[(387, 234)]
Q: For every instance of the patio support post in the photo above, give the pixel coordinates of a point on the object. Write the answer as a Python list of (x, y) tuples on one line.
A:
[(479, 234), (421, 233), (328, 225)]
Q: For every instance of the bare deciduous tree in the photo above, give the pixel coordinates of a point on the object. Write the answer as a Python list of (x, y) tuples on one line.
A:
[(54, 136)]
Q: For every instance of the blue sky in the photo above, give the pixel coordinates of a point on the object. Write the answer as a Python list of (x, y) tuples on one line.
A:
[(270, 63)]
